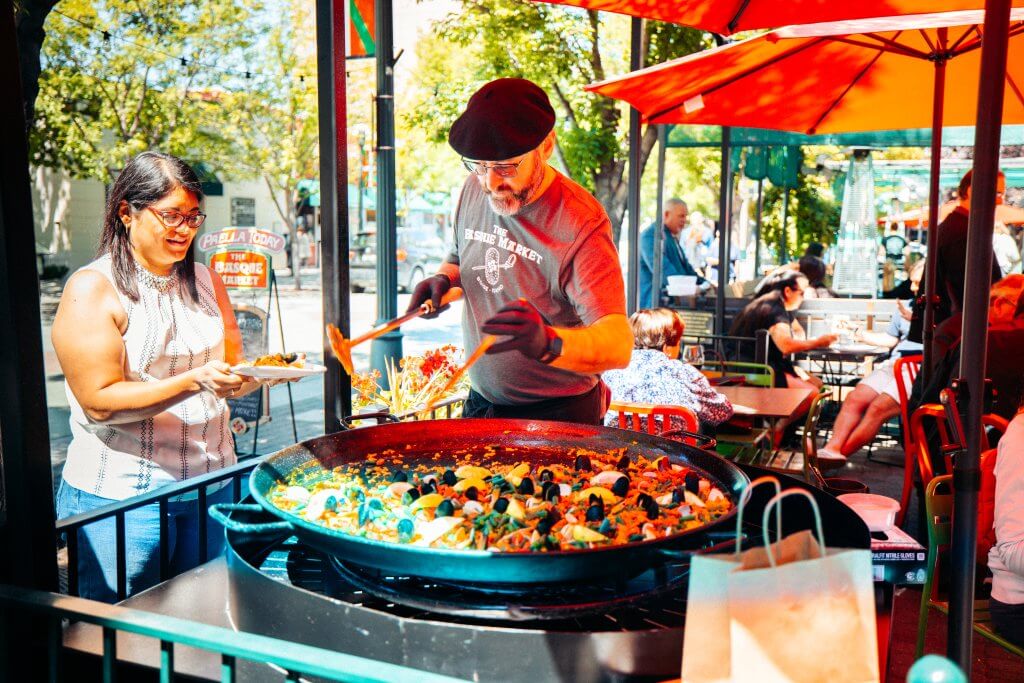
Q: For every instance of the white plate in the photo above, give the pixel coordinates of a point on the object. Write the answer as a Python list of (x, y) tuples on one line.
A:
[(277, 371), (854, 348)]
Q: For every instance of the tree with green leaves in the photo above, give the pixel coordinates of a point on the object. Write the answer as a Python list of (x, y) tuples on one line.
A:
[(119, 77), (274, 125), (562, 50)]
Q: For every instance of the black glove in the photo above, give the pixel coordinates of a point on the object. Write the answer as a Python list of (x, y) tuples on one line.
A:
[(430, 289), (521, 321)]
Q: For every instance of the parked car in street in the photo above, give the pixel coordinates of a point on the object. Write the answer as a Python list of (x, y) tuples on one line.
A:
[(419, 252)]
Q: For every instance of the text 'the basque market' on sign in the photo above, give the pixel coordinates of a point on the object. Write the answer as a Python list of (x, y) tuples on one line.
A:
[(242, 255)]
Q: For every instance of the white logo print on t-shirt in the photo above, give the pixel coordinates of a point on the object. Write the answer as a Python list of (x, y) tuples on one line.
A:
[(492, 269), (492, 257)]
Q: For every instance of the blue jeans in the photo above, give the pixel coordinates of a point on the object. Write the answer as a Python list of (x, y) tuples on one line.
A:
[(97, 542)]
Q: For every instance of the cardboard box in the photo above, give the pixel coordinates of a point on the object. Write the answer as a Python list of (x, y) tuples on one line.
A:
[(898, 559)]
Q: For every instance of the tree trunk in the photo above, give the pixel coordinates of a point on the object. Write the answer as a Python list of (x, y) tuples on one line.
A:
[(610, 186), (30, 16)]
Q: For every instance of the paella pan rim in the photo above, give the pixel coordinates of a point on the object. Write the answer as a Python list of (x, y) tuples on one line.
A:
[(523, 433)]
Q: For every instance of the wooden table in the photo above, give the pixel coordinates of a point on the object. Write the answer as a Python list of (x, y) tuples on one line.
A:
[(768, 402)]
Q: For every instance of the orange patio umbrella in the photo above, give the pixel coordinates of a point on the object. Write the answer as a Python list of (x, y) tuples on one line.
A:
[(873, 74), (729, 16), (835, 77)]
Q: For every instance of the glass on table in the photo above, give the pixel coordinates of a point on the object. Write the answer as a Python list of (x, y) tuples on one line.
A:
[(694, 355)]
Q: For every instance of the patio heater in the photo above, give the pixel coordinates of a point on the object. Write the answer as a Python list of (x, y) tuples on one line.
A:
[(856, 269)]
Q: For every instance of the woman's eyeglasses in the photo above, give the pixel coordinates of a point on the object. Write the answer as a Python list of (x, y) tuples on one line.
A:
[(172, 219), (501, 170)]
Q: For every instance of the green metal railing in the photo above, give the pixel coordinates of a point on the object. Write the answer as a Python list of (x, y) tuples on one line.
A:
[(70, 525), (294, 659)]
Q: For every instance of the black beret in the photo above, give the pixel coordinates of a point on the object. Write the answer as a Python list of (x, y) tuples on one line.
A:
[(504, 119)]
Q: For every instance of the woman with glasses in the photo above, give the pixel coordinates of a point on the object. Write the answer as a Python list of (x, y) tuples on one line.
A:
[(145, 337), (774, 311)]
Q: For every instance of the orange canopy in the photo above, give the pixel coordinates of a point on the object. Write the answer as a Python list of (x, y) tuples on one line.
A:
[(872, 74), (729, 16)]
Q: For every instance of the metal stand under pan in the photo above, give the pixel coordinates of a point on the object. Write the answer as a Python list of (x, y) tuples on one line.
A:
[(543, 602), (291, 591)]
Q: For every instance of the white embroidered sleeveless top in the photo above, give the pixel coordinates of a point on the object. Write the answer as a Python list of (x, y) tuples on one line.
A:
[(166, 336)]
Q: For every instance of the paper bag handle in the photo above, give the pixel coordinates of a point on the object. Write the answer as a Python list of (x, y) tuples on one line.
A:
[(776, 502), (744, 497)]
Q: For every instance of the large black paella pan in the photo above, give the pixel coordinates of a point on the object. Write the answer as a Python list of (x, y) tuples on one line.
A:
[(513, 441)]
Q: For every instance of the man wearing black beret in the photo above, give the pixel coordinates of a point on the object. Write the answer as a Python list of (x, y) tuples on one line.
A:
[(534, 254)]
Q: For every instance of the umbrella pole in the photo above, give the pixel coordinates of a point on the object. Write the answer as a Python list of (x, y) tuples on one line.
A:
[(966, 476), (757, 229), (723, 229), (938, 101), (657, 264), (785, 224), (333, 203), (633, 185)]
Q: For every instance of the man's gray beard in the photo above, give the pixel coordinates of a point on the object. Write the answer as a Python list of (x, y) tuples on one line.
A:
[(514, 203)]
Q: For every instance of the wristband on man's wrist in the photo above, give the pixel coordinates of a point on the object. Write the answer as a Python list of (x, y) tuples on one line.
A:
[(554, 347)]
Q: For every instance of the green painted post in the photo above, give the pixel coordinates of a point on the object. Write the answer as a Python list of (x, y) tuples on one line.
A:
[(109, 654), (166, 661), (227, 669)]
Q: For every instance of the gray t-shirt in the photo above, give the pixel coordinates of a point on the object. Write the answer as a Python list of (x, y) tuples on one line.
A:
[(557, 253)]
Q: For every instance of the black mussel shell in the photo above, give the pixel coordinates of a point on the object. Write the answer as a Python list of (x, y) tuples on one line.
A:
[(623, 464), (445, 509), (399, 475), (501, 505), (595, 513), (526, 486), (652, 510), (582, 463), (643, 500), (621, 486), (692, 482), (449, 478), (547, 475), (471, 493)]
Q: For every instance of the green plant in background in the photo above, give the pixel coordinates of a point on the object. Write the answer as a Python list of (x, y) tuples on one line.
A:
[(562, 50), (813, 215), (119, 78)]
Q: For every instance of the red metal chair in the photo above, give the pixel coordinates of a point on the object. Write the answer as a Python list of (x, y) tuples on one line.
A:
[(643, 417), (936, 412), (905, 371)]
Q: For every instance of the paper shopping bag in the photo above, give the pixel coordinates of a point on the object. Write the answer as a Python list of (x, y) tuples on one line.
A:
[(800, 613), (706, 637)]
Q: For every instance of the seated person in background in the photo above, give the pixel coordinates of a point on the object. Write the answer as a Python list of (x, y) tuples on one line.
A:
[(773, 311), (814, 269), (811, 267), (1006, 558), (875, 399), (656, 375)]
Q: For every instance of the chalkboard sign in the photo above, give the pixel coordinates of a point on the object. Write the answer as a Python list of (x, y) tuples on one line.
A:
[(252, 322)]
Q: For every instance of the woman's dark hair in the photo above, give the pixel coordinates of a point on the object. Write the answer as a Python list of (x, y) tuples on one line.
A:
[(769, 297), (146, 179), (814, 269)]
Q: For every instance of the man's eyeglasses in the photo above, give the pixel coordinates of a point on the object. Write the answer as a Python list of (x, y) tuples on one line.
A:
[(501, 170), (172, 219)]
